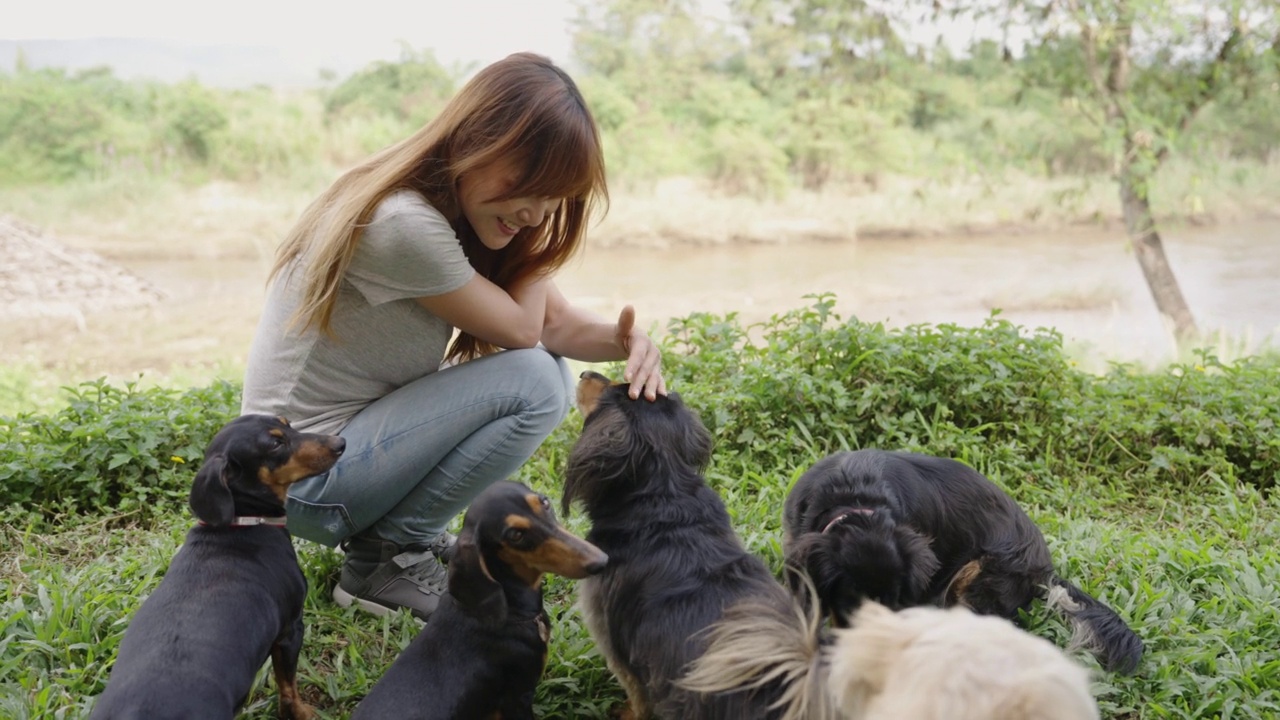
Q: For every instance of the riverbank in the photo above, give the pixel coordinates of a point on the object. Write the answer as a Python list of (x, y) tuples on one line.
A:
[(900, 252)]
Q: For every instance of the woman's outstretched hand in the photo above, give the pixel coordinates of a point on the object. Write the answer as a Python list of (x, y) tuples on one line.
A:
[(644, 360)]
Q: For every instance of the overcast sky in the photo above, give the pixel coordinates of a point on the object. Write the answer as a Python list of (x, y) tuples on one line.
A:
[(320, 33)]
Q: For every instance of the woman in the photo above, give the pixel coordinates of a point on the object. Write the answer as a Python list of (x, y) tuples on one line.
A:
[(461, 226)]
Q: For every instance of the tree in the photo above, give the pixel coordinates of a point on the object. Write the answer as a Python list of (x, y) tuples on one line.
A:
[(1143, 71)]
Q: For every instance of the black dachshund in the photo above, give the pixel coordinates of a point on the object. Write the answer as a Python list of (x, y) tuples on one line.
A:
[(233, 594), (675, 562), (909, 529), (484, 649)]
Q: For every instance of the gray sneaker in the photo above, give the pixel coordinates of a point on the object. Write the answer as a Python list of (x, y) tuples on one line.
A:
[(380, 577)]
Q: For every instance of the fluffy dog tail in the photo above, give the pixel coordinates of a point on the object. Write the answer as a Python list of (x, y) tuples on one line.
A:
[(770, 651), (1096, 627)]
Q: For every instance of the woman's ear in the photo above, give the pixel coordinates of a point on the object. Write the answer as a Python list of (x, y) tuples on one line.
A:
[(471, 584), (210, 497)]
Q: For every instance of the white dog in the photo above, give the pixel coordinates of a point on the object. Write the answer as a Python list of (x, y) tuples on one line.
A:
[(922, 663)]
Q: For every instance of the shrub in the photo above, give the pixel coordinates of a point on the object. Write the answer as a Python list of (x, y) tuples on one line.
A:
[(112, 450), (805, 383)]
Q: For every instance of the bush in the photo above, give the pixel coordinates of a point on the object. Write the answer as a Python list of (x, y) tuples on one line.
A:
[(1000, 397), (112, 450)]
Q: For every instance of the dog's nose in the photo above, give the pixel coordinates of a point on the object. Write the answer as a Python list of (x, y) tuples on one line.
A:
[(597, 565), (338, 444)]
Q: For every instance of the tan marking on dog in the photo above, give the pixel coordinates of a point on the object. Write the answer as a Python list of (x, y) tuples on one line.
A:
[(535, 504), (960, 583), (289, 703), (562, 554), (590, 386), (519, 522)]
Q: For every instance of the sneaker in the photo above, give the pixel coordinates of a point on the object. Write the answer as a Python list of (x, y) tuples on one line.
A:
[(380, 577)]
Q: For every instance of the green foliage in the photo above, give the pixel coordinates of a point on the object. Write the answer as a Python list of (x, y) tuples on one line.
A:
[(50, 127), (1152, 490), (805, 383), (111, 451), (192, 114), (412, 90), (775, 94)]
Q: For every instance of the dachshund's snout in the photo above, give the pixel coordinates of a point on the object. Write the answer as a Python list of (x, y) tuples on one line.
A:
[(337, 444), (595, 565)]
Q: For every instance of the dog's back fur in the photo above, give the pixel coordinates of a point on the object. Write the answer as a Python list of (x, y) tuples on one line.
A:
[(907, 529), (675, 562)]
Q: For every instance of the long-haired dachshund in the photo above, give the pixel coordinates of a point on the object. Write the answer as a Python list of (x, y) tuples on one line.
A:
[(908, 529), (922, 663), (484, 649), (675, 562), (233, 594)]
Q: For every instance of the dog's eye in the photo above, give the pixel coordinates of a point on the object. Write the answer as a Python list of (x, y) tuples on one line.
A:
[(546, 503), (513, 535)]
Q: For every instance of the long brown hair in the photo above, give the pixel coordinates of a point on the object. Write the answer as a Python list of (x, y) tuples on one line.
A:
[(522, 109)]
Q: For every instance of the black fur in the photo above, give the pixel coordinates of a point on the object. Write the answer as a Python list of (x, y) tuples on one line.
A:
[(484, 649), (675, 562), (909, 529), (232, 596)]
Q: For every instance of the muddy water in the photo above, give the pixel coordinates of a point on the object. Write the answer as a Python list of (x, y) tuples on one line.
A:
[(1085, 284)]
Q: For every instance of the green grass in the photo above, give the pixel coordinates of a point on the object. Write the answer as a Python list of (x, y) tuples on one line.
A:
[(1155, 490), (1195, 570)]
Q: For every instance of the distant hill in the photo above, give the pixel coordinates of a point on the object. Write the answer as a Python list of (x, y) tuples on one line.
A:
[(165, 61)]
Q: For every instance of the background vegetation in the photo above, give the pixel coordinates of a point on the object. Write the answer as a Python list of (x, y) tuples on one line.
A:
[(774, 97), (1155, 490)]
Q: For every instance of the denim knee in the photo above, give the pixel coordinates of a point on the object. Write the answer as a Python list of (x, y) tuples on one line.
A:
[(551, 388)]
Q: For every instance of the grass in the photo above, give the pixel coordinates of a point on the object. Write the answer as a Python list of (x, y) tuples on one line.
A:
[(1156, 492), (1195, 570)]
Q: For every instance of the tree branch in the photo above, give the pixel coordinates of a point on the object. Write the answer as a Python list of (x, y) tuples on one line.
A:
[(1210, 85), (1089, 40)]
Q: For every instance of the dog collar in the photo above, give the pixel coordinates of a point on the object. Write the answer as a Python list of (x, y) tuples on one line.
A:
[(837, 519), (251, 520)]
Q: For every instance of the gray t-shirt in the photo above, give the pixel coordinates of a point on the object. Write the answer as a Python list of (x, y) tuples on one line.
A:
[(382, 337)]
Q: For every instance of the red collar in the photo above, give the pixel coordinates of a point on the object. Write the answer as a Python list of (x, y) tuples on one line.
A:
[(852, 511), (251, 520)]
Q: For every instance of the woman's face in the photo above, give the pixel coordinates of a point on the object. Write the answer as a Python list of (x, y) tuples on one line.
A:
[(496, 222)]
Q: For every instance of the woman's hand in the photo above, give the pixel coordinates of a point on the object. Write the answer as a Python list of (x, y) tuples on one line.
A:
[(644, 359)]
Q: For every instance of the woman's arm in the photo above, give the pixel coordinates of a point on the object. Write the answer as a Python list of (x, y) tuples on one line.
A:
[(576, 333), (486, 311)]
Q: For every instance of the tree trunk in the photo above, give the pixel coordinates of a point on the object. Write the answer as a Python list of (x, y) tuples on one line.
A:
[(1149, 249)]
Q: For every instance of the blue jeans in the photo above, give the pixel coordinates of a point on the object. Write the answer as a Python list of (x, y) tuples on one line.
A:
[(418, 456)]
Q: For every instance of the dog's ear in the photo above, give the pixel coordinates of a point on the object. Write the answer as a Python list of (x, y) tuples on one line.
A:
[(920, 561), (692, 441), (797, 559), (211, 499), (471, 584)]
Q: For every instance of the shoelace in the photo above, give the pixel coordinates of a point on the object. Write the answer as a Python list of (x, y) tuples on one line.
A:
[(423, 569), (442, 542)]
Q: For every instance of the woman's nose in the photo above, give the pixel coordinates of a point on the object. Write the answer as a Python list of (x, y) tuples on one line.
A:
[(535, 212)]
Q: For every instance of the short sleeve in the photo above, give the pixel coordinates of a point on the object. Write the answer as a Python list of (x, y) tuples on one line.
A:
[(407, 250)]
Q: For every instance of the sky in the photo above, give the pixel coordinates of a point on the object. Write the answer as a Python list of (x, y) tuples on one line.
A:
[(339, 35)]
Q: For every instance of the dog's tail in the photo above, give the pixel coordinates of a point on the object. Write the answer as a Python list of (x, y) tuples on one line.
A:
[(1096, 627), (758, 647)]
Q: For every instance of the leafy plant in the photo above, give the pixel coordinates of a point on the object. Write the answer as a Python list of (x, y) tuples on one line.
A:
[(112, 450)]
